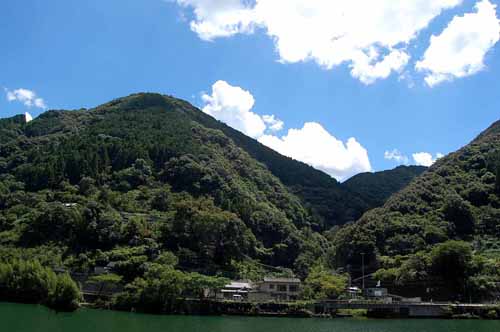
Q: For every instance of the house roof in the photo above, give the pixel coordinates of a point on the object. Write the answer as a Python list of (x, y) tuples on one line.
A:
[(282, 280), (238, 285)]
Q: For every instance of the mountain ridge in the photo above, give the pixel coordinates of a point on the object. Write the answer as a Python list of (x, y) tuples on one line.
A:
[(450, 212)]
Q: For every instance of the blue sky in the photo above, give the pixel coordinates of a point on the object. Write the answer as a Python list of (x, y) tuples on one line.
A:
[(81, 54)]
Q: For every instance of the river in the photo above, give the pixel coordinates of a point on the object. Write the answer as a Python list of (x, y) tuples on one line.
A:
[(34, 318)]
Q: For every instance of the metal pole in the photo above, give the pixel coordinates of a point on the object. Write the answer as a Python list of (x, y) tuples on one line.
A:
[(349, 274), (363, 268)]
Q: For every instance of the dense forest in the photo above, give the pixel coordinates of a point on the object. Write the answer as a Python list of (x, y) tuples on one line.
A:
[(176, 200), (442, 230), (375, 188), (145, 177)]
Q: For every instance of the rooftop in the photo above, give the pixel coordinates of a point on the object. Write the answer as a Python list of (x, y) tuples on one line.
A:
[(282, 280), (238, 285)]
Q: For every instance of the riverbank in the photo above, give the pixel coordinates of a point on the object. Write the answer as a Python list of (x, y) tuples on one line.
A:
[(302, 309), (320, 309), (28, 318)]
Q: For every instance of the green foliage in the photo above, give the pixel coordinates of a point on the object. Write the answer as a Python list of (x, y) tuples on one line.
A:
[(29, 281), (376, 188), (108, 278), (322, 283), (167, 258), (451, 264), (198, 284), (162, 286), (153, 171), (458, 213), (66, 295), (451, 260), (454, 200), (156, 292), (151, 184), (247, 270)]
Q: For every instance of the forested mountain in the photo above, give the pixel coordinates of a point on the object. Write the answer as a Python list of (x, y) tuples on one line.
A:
[(444, 226), (153, 171), (149, 182), (329, 202), (144, 172), (375, 188)]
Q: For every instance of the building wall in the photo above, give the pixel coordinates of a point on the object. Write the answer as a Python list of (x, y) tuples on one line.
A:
[(281, 291), (259, 297)]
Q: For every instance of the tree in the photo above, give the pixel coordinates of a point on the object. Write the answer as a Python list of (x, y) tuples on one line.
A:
[(56, 223), (167, 258), (29, 281), (323, 284), (66, 295), (451, 260), (200, 285), (106, 281), (164, 285), (459, 213)]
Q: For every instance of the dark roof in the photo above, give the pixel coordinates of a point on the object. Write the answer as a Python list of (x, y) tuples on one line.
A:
[(282, 280)]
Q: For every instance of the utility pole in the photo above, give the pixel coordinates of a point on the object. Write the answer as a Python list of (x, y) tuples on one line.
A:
[(349, 274), (363, 268)]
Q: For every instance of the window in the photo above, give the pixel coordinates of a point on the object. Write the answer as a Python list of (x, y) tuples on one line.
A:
[(281, 288), (271, 286), (293, 288)]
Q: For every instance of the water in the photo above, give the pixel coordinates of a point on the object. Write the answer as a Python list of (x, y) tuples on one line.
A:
[(32, 318)]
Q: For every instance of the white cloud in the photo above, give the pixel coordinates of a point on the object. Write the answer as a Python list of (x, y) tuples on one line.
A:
[(370, 36), (25, 96), (312, 144), (368, 71), (397, 156), (317, 147), (219, 18), (28, 117), (273, 123), (460, 49), (232, 105), (425, 158)]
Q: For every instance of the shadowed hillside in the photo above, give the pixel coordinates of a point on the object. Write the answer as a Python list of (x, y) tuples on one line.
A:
[(376, 188)]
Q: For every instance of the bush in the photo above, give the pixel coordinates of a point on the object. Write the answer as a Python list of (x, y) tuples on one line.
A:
[(29, 281)]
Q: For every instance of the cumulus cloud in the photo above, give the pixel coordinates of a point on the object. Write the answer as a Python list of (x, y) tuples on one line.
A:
[(311, 144), (232, 105), (397, 156), (425, 158), (273, 123), (28, 117), (314, 145), (370, 36), (460, 49), (220, 18), (27, 97), (367, 71)]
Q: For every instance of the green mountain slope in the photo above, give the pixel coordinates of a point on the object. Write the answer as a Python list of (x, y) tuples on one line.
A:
[(329, 202), (155, 173), (375, 188), (457, 199), (145, 172)]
